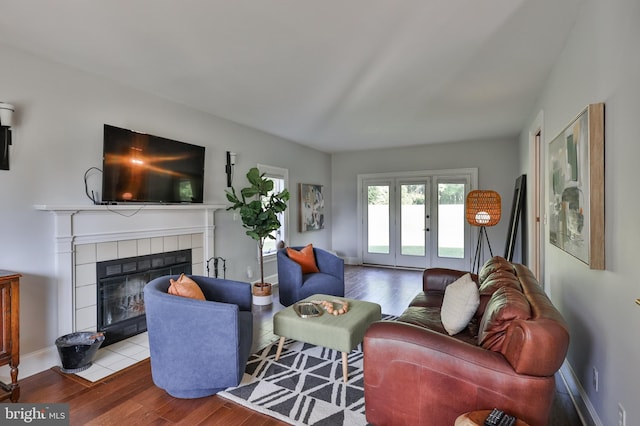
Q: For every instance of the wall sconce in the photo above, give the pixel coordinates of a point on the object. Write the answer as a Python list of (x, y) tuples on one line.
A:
[(6, 121), (483, 209), (231, 161)]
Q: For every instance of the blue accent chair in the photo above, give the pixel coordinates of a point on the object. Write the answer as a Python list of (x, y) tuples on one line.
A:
[(293, 285), (198, 347)]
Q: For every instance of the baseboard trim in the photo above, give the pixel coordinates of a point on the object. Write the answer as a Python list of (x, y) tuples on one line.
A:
[(580, 399)]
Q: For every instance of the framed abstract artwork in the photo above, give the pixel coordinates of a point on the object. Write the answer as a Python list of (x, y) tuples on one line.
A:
[(311, 207), (576, 187)]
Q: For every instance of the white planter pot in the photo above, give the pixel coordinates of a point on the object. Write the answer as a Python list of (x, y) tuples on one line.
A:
[(262, 300)]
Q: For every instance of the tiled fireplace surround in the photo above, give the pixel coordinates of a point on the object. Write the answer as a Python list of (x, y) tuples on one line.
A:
[(86, 256), (85, 235)]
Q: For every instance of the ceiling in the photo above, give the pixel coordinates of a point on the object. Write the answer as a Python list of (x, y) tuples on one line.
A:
[(335, 75)]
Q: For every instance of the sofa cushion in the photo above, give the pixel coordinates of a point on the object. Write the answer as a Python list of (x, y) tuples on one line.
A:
[(185, 287), (461, 299), (492, 265), (429, 318), (431, 298), (425, 317), (499, 279), (495, 280), (305, 258), (506, 305)]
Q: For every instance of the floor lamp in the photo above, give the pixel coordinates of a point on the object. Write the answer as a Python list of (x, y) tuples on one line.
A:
[(483, 209)]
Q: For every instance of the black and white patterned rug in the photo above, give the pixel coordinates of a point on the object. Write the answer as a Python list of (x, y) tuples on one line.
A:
[(305, 386)]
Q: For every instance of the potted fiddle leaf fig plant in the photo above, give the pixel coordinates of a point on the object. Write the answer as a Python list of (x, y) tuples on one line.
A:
[(259, 207)]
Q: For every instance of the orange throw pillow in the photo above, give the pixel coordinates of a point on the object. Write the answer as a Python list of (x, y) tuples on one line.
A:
[(185, 287), (304, 258)]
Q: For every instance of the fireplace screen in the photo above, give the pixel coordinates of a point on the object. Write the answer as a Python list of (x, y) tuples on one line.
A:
[(121, 282), (122, 298)]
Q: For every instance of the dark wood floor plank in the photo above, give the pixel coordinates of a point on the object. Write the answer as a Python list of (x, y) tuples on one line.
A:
[(132, 398), (192, 411), (153, 397), (225, 415), (127, 413), (257, 419), (97, 400), (48, 386)]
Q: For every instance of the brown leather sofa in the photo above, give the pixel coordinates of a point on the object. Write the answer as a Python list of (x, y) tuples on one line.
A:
[(415, 373)]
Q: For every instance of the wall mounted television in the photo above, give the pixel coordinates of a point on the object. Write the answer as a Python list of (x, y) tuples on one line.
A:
[(142, 168)]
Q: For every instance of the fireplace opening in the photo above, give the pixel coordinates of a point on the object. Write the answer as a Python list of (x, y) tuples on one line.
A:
[(120, 298)]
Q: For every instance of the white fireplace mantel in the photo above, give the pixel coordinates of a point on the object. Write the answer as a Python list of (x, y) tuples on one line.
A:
[(84, 224)]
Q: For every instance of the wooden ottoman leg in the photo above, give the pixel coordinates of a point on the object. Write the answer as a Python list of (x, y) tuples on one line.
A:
[(345, 375), (279, 351)]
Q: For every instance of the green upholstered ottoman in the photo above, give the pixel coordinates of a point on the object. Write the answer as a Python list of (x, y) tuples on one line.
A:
[(339, 332)]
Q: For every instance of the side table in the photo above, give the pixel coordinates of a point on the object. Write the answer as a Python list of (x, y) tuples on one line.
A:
[(477, 418), (10, 331)]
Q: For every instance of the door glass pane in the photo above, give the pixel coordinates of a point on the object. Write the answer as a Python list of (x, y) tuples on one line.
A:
[(271, 245), (412, 216), (378, 219), (451, 220)]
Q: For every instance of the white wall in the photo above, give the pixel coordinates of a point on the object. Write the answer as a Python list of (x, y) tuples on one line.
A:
[(57, 136), (305, 165), (601, 63), (497, 163)]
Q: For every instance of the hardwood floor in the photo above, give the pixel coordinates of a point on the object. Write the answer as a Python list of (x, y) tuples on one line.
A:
[(130, 397)]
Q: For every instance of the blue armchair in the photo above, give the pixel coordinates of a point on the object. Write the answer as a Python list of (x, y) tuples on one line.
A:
[(293, 285), (198, 347)]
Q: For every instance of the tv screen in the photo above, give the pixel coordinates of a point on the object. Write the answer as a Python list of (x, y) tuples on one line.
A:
[(142, 168)]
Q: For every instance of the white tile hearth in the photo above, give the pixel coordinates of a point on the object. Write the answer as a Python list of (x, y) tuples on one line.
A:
[(116, 357)]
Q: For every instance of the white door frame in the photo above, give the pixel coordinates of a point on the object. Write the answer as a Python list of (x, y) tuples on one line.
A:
[(472, 173), (536, 199)]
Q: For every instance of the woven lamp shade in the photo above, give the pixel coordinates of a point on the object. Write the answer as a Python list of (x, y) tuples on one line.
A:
[(483, 208)]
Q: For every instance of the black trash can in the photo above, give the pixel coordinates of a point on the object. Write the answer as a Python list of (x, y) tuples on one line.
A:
[(77, 350)]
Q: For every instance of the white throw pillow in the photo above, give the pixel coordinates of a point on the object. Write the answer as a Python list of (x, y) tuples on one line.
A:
[(461, 301)]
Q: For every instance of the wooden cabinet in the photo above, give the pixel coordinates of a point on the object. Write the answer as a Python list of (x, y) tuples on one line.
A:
[(10, 331)]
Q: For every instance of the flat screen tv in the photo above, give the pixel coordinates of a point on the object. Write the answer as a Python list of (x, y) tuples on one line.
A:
[(142, 168)]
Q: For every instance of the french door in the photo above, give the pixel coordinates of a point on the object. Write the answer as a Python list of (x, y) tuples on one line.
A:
[(397, 222), (415, 221)]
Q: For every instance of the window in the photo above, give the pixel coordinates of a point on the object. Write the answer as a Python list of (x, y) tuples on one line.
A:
[(280, 178)]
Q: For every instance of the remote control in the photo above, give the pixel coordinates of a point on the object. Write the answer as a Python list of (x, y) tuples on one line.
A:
[(494, 418), (507, 420)]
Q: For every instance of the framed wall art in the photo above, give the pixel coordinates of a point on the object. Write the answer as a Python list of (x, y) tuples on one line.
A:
[(311, 207), (576, 192)]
